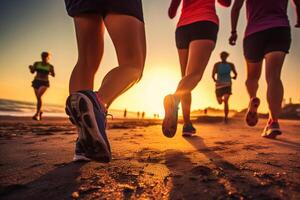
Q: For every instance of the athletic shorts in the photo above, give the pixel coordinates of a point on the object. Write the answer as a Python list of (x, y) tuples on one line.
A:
[(103, 7), (202, 30), (36, 84), (258, 44), (220, 92)]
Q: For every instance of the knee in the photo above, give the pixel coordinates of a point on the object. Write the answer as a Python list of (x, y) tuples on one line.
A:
[(88, 66), (273, 79), (220, 100), (251, 80), (196, 77)]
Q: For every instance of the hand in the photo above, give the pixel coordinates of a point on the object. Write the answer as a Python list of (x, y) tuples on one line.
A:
[(172, 12), (233, 38), (30, 67)]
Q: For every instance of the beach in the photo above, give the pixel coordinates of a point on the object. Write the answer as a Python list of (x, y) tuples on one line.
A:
[(222, 161)]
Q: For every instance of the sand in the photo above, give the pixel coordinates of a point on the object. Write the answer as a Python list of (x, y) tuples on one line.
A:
[(221, 162)]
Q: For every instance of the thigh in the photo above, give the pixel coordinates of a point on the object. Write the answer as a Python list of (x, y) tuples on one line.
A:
[(41, 91), (183, 58), (254, 47), (199, 54), (128, 36), (89, 33)]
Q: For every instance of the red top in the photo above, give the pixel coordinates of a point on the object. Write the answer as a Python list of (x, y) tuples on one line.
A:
[(198, 10)]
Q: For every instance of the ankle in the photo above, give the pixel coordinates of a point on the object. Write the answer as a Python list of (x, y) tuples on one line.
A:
[(271, 121)]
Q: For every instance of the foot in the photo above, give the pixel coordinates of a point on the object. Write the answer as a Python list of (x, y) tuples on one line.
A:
[(272, 130), (89, 116), (188, 130), (225, 120), (169, 125), (35, 117), (79, 155), (252, 116)]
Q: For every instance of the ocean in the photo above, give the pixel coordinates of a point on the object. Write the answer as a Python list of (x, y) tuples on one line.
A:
[(23, 109)]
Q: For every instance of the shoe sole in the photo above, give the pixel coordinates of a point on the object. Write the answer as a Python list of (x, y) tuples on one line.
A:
[(169, 125), (252, 116), (188, 134), (80, 158), (81, 112), (272, 134)]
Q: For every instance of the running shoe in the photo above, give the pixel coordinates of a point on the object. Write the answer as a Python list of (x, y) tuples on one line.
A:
[(87, 114), (188, 130), (252, 116), (169, 125), (79, 155), (272, 130)]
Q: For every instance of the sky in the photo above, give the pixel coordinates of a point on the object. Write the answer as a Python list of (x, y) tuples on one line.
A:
[(29, 27)]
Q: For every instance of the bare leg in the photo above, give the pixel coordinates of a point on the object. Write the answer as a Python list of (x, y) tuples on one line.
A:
[(220, 100), (274, 63), (186, 99), (128, 36), (253, 75), (39, 93), (226, 106), (199, 54), (89, 33)]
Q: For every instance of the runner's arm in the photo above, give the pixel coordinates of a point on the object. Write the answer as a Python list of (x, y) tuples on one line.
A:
[(235, 13), (225, 3), (173, 8), (213, 75), (234, 71), (52, 73), (297, 4), (32, 68)]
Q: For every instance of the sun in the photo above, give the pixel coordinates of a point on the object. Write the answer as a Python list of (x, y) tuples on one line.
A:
[(149, 93)]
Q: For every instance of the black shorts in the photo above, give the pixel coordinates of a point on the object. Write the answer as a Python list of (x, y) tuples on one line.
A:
[(36, 84), (103, 7), (220, 92), (202, 30), (257, 45)]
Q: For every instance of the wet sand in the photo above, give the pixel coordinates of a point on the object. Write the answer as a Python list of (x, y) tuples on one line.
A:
[(221, 162)]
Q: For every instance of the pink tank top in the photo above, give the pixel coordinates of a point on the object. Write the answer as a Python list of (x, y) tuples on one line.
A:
[(265, 14), (198, 10)]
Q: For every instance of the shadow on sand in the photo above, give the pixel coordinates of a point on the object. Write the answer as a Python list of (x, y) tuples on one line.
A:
[(56, 184), (218, 180)]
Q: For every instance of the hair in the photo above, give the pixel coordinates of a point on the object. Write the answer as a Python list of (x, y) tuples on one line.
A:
[(224, 53), (45, 54)]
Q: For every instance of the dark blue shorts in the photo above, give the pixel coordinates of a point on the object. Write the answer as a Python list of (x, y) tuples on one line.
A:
[(103, 7), (202, 30)]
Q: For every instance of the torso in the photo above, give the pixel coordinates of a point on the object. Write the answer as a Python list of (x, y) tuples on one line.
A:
[(223, 74), (265, 14), (42, 70), (198, 10)]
